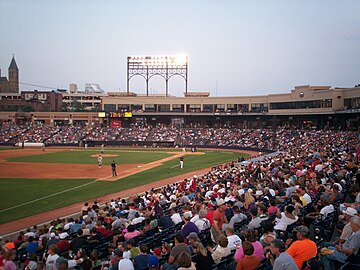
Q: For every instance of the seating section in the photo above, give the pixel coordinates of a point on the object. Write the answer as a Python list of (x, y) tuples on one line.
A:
[(316, 176)]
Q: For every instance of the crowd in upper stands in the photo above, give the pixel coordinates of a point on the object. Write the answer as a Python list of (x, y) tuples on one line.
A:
[(98, 133), (164, 133), (297, 209), (224, 136), (135, 133)]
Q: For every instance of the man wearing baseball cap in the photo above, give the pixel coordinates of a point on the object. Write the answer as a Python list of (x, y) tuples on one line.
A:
[(189, 226), (342, 251), (153, 263), (302, 249), (346, 231), (219, 219)]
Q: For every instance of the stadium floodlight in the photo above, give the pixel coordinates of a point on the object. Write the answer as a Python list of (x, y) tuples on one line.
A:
[(148, 66)]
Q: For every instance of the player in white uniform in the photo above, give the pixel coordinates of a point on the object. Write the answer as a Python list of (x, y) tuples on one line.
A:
[(100, 161)]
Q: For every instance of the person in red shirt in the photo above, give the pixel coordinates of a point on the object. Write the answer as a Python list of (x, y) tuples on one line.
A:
[(210, 213), (63, 244), (182, 186), (219, 219), (2, 257), (193, 184)]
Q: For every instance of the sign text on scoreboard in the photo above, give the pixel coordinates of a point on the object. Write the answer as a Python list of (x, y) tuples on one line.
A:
[(119, 114)]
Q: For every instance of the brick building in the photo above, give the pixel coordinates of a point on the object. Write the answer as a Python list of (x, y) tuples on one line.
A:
[(39, 101)]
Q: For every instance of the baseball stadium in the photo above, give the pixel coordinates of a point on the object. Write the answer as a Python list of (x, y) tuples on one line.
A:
[(147, 173), (179, 135)]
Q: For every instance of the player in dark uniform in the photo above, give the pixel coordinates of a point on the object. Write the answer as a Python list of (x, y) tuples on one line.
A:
[(113, 168)]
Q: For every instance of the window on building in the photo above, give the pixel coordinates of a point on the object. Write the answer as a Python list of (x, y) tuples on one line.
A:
[(123, 107), (164, 107), (243, 108), (109, 107), (231, 107), (259, 107), (219, 107), (308, 104), (352, 103), (193, 108), (208, 108), (136, 107), (178, 108), (150, 108)]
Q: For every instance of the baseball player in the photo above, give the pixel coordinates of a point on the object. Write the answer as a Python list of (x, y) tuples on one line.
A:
[(113, 168), (181, 162), (100, 161)]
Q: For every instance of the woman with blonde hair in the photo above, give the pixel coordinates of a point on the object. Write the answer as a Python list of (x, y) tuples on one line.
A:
[(249, 200), (202, 258)]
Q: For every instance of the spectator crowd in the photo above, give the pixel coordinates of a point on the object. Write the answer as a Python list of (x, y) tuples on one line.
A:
[(298, 209)]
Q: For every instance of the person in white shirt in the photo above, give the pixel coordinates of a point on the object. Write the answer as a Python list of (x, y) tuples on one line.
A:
[(195, 217), (51, 258), (285, 218), (307, 197), (124, 264), (319, 167), (100, 161), (328, 208), (69, 223), (233, 239), (29, 233), (137, 219), (202, 223), (325, 211), (175, 217)]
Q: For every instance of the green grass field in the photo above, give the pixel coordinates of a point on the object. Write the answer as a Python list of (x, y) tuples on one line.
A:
[(33, 196)]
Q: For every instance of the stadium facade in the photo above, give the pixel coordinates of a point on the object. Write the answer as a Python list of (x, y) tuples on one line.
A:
[(320, 106)]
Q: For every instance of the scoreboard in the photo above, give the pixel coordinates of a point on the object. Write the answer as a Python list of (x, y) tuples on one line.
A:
[(115, 114), (119, 114)]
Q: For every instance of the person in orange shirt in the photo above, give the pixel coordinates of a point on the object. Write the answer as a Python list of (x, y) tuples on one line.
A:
[(9, 245), (302, 249)]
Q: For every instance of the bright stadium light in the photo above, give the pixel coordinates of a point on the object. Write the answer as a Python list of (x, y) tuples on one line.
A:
[(164, 65), (162, 60)]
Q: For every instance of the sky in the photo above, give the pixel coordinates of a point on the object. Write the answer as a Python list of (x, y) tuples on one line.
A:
[(235, 47)]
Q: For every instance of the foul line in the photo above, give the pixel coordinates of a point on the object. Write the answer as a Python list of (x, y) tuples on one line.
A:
[(52, 195)]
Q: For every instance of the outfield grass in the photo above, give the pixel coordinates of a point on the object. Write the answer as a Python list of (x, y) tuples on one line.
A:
[(25, 190), (84, 157)]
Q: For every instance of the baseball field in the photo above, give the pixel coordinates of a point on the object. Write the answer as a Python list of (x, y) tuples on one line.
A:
[(33, 181)]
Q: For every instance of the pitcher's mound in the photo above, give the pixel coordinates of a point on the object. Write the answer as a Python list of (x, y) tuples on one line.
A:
[(104, 155)]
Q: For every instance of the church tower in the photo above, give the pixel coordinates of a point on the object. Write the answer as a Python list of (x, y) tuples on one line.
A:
[(13, 77)]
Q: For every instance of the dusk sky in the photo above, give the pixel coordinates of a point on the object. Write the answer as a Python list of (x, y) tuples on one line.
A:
[(235, 48)]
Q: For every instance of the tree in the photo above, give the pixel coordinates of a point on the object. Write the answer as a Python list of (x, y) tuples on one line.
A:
[(27, 108), (78, 106)]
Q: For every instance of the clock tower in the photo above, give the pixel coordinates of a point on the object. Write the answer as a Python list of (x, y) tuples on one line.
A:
[(13, 77)]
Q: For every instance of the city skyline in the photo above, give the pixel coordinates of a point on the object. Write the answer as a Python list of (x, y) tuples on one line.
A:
[(234, 47)]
